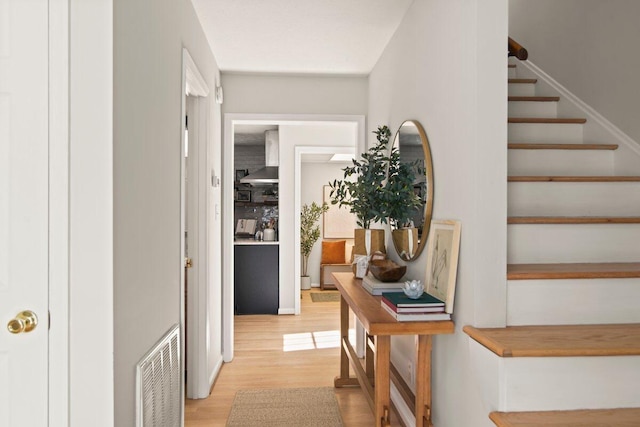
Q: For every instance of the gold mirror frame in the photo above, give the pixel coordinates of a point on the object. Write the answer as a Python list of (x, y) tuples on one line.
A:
[(409, 243)]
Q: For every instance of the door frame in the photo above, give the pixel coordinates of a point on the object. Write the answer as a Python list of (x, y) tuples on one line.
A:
[(195, 93), (228, 227)]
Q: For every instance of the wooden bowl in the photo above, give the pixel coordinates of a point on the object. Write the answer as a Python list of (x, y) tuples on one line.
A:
[(386, 270)]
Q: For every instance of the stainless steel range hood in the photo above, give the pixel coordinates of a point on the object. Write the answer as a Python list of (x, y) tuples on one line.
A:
[(268, 174)]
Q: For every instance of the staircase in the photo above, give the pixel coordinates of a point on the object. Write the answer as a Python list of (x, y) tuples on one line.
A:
[(570, 353)]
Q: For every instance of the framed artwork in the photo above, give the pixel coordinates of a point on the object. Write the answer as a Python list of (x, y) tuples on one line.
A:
[(243, 195), (442, 261), (337, 222)]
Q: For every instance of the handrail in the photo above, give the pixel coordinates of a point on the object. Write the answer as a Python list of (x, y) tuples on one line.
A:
[(516, 49)]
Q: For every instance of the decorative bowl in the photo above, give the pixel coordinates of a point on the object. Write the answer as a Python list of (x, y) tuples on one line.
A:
[(386, 270), (413, 289)]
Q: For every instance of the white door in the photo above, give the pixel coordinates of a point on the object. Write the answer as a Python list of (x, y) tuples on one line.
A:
[(23, 211)]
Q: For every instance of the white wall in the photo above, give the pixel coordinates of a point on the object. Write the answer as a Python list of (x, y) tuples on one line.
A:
[(446, 67), (90, 292), (286, 94), (313, 177), (148, 40), (590, 47)]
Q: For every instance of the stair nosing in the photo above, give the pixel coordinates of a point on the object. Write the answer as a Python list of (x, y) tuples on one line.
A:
[(533, 99), (573, 220), (523, 81), (568, 418), (542, 146), (560, 340), (546, 120), (559, 271), (572, 178)]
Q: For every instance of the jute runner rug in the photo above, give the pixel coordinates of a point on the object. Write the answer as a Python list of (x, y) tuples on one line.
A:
[(285, 407), (325, 296)]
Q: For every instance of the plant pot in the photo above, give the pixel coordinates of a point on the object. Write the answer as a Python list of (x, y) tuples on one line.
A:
[(305, 282), (367, 241), (406, 242)]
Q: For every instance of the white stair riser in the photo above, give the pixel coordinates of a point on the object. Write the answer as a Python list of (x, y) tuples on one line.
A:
[(563, 383), (549, 133), (532, 109), (562, 243), (512, 73), (572, 301), (556, 383), (560, 162), (522, 89), (573, 198)]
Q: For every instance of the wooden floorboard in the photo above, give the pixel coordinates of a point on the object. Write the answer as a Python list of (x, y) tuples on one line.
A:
[(619, 417), (559, 341), (283, 352), (606, 270)]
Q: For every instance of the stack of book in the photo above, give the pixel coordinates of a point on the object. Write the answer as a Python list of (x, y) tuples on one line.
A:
[(377, 287), (405, 309)]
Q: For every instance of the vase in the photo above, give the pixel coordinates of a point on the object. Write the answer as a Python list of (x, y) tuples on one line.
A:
[(406, 242), (305, 282)]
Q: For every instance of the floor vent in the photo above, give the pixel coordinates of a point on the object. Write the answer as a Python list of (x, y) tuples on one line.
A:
[(158, 383)]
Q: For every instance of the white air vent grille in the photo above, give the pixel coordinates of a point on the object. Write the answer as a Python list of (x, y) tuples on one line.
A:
[(158, 383)]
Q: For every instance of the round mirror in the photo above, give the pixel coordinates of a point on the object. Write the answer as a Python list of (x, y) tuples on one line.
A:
[(410, 233)]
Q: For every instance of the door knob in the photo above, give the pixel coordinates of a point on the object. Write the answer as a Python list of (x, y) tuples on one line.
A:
[(25, 321)]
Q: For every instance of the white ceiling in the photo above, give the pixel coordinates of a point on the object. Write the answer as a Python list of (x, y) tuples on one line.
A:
[(299, 36)]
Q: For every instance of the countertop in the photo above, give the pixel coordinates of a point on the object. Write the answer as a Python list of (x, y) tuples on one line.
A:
[(248, 241)]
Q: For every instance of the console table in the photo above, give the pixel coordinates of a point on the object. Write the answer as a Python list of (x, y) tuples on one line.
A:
[(374, 376)]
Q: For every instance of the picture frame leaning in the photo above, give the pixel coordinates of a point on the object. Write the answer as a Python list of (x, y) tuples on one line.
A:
[(443, 248)]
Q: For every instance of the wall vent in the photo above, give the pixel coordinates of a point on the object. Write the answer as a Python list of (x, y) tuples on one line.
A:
[(158, 386)]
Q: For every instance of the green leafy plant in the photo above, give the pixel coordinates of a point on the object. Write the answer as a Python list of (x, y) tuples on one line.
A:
[(365, 196), (383, 186), (309, 230), (401, 201)]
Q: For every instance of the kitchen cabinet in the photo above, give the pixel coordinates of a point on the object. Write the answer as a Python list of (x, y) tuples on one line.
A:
[(256, 285)]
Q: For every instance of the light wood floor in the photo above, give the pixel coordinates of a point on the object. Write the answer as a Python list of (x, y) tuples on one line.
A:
[(283, 352)]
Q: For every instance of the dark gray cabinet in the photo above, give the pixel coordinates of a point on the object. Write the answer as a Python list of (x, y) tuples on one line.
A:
[(256, 279)]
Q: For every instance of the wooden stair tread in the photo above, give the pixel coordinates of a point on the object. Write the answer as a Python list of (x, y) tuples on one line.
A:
[(573, 178), (547, 120), (536, 146), (602, 270), (511, 66), (619, 417), (534, 98), (572, 220), (559, 340), (523, 81)]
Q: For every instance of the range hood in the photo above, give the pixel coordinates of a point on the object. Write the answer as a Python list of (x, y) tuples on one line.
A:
[(268, 174)]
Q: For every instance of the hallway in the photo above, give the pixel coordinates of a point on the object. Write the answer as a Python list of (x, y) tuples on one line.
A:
[(283, 352)]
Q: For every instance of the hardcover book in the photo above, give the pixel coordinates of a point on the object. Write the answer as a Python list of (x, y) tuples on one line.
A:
[(401, 300), (405, 310), (417, 317)]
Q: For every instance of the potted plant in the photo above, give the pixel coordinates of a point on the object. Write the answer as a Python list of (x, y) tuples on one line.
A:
[(366, 196), (402, 203), (309, 234)]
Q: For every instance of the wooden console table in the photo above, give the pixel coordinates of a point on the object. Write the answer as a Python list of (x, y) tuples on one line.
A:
[(374, 376)]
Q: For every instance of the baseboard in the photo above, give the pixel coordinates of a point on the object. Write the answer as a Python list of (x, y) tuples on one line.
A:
[(215, 372), (286, 311)]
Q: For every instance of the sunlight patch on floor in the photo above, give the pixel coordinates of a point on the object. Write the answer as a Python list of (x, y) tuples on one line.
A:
[(313, 340)]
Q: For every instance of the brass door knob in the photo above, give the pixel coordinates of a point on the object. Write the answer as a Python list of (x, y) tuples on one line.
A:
[(25, 321)]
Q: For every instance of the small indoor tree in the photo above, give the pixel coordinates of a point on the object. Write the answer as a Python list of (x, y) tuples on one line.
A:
[(309, 232)]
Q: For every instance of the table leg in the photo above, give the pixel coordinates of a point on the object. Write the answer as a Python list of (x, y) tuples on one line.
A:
[(382, 394), (344, 335), (423, 381), (368, 358)]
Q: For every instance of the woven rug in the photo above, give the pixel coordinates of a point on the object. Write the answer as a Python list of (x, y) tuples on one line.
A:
[(285, 407), (325, 296)]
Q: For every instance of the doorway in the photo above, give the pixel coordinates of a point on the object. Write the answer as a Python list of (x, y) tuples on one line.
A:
[(290, 127)]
